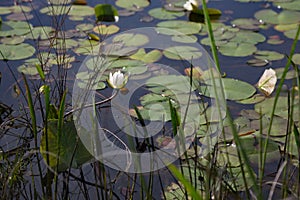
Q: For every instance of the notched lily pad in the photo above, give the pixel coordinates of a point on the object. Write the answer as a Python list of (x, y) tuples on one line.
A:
[(161, 13), (16, 52), (283, 17)]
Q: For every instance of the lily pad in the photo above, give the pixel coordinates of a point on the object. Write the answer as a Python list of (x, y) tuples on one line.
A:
[(132, 5), (237, 50), (161, 13), (59, 2), (292, 5), (246, 23), (234, 89), (180, 26), (106, 30), (82, 11), (55, 10), (185, 39), (11, 28), (68, 148), (257, 62), (149, 57), (272, 17), (13, 40), (296, 58), (266, 107), (130, 39), (16, 52), (182, 52), (40, 32), (268, 55)]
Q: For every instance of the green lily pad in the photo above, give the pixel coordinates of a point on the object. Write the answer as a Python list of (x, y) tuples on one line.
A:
[(4, 10), (291, 34), (257, 62), (246, 23), (82, 11), (266, 107), (106, 12), (237, 50), (234, 89), (59, 2), (161, 13), (132, 5), (106, 30), (190, 39), (55, 10), (16, 52), (248, 37), (272, 17), (289, 75), (13, 40), (84, 27), (149, 57), (252, 100), (28, 69), (296, 58), (184, 27), (292, 5), (182, 52), (268, 55), (70, 148), (40, 32), (130, 39), (11, 28)]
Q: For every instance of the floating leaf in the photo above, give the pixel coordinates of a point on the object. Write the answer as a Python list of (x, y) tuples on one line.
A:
[(84, 27), (106, 30), (248, 37), (234, 89), (132, 5), (11, 28), (82, 11), (254, 99), (149, 57), (59, 2), (184, 38), (296, 58), (13, 40), (272, 17), (237, 50), (266, 107), (55, 10), (257, 62), (69, 148), (131, 39), (267, 82), (106, 12), (291, 5), (180, 26), (246, 23), (182, 52), (16, 52), (160, 13), (268, 55), (40, 32)]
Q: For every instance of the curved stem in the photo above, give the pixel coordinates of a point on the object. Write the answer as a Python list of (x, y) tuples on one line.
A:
[(92, 104)]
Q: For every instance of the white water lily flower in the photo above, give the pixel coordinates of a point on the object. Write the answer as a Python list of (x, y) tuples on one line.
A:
[(190, 5), (267, 82), (117, 80)]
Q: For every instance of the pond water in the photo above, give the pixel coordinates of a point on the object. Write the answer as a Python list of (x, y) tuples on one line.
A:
[(251, 36)]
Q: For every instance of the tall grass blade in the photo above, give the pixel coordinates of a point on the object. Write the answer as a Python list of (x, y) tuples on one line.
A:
[(187, 185)]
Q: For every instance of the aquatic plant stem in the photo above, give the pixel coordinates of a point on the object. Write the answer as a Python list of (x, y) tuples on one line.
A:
[(92, 104)]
